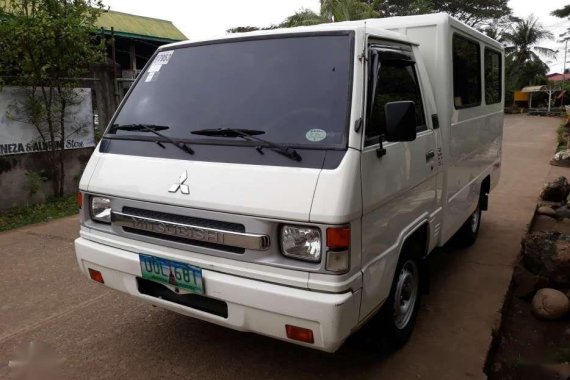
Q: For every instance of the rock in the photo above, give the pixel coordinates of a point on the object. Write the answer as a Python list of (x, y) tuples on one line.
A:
[(562, 212), (561, 158), (547, 254), (560, 370), (547, 211), (550, 304), (556, 191), (525, 284), (553, 205), (544, 223)]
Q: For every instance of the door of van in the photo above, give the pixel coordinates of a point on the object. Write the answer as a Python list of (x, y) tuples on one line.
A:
[(398, 183)]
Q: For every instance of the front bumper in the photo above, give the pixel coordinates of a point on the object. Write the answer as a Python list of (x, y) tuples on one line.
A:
[(253, 306)]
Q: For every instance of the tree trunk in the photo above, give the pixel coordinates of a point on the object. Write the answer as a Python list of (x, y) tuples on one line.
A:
[(63, 105), (48, 101)]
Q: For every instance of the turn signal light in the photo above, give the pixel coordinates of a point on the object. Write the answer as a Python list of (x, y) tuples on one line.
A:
[(96, 275), (338, 237), (80, 200), (300, 334)]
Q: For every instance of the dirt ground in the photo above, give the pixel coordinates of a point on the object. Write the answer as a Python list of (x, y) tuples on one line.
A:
[(101, 334)]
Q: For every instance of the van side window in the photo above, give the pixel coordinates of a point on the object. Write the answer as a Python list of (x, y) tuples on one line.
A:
[(466, 72), (396, 81), (492, 76)]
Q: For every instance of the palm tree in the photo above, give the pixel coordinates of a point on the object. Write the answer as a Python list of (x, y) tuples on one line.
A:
[(303, 17), (331, 11), (522, 39), (345, 10), (523, 54)]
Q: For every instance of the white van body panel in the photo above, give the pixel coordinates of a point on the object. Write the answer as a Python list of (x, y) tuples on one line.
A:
[(383, 200), (343, 203), (409, 200), (286, 191), (472, 137), (255, 306)]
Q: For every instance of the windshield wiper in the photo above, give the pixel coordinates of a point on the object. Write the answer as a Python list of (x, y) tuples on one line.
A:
[(154, 129), (249, 134)]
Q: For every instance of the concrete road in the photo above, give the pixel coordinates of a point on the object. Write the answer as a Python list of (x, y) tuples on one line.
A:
[(105, 335)]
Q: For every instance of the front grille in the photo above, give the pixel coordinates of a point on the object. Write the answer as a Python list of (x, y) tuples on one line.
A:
[(206, 223), (195, 301)]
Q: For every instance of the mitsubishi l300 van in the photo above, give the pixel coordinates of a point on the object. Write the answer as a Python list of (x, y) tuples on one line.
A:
[(292, 182)]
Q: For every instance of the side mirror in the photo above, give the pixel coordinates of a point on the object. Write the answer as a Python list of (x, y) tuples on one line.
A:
[(400, 121)]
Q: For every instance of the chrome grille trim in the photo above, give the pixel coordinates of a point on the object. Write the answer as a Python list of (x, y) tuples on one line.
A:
[(193, 232)]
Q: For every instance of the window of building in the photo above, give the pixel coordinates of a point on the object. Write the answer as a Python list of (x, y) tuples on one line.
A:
[(466, 72), (397, 81), (492, 76)]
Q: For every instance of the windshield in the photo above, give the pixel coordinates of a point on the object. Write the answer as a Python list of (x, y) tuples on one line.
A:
[(292, 90)]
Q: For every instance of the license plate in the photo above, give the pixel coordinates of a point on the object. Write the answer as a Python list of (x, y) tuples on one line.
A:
[(179, 275)]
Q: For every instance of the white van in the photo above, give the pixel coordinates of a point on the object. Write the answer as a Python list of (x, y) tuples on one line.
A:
[(292, 182)]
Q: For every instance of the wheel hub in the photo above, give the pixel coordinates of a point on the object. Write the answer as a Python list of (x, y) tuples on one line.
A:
[(475, 220)]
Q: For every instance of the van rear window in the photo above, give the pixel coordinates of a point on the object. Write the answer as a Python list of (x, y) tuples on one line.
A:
[(292, 90), (492, 76), (466, 72)]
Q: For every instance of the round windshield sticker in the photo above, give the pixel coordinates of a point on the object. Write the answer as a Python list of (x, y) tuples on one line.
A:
[(316, 135)]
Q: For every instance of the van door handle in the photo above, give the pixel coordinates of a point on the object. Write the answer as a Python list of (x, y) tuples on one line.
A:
[(430, 155)]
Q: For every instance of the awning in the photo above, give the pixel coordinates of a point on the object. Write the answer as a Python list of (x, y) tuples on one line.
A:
[(534, 88)]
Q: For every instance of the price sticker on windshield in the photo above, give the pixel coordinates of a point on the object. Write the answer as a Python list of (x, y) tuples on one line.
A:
[(150, 75), (163, 57)]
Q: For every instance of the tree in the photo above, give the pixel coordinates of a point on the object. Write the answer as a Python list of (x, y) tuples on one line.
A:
[(523, 63), (475, 13), (331, 11), (562, 12), (390, 8), (242, 29), (303, 17), (522, 39), (346, 10), (45, 44)]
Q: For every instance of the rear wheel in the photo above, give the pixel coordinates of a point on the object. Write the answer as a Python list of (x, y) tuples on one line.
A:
[(467, 234)]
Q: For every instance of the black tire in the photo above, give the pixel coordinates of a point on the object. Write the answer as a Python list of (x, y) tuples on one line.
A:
[(394, 325), (467, 234)]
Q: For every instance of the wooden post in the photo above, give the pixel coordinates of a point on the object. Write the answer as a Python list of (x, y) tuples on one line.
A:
[(133, 57)]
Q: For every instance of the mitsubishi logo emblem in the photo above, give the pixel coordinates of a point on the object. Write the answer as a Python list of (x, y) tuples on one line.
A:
[(184, 189)]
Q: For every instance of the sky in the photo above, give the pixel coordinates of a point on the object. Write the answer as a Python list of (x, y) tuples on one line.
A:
[(199, 19)]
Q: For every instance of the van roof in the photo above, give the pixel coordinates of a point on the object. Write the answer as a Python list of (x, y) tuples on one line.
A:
[(376, 26), (336, 26)]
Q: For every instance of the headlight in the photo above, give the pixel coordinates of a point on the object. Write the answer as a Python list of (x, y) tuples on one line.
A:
[(101, 209), (302, 243)]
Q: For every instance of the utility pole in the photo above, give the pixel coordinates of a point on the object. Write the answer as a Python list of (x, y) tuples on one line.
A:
[(564, 69), (566, 37)]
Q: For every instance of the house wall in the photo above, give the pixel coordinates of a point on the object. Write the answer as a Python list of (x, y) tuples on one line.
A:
[(14, 183)]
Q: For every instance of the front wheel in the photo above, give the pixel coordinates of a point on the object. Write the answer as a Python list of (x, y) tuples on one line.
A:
[(398, 315)]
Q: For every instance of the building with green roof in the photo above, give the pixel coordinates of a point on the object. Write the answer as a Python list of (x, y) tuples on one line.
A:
[(138, 27), (134, 39)]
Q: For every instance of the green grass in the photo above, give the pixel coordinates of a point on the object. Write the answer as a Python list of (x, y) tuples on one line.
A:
[(560, 354), (42, 212)]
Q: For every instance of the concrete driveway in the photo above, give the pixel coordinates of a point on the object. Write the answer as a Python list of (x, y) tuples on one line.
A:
[(105, 335)]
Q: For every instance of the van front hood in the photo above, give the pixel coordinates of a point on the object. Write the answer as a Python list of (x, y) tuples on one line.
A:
[(266, 191)]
